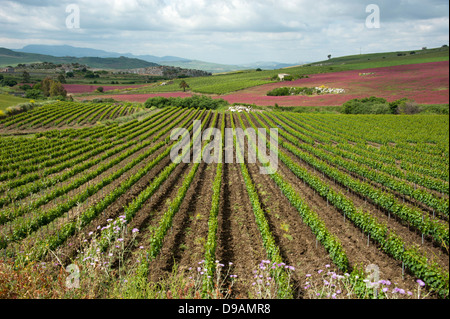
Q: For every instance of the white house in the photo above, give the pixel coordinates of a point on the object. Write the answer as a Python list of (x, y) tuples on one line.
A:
[(282, 76)]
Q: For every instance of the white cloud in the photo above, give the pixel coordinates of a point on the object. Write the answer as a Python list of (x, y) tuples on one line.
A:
[(228, 31)]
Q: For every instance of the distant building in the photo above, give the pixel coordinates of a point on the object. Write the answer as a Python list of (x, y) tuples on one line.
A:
[(282, 76), (8, 70)]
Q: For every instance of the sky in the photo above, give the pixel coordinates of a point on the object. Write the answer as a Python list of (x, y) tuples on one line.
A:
[(228, 31)]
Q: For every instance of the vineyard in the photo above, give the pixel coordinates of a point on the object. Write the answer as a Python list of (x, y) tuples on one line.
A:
[(92, 185)]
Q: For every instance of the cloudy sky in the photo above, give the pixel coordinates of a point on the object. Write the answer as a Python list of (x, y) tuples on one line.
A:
[(228, 31)]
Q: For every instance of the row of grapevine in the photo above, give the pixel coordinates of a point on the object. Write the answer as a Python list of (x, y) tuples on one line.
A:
[(272, 249), (389, 242), (69, 113), (68, 229), (426, 224), (441, 205), (211, 242), (374, 163)]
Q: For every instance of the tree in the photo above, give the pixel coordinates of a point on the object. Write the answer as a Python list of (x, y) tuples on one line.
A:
[(45, 86), (184, 85), (26, 78), (33, 94), (329, 56), (57, 89), (62, 78)]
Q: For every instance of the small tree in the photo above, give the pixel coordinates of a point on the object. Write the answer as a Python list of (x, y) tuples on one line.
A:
[(45, 86), (26, 78), (184, 85), (329, 56), (57, 89), (62, 78)]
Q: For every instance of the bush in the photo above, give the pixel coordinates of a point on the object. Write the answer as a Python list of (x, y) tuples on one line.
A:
[(9, 82), (196, 101), (371, 105), (284, 91), (409, 108), (34, 94)]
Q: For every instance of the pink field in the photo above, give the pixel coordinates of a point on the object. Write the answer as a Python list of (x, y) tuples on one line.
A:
[(89, 88), (140, 98), (426, 83)]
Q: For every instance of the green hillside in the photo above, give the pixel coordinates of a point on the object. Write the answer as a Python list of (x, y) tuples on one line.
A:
[(385, 59), (235, 81), (13, 58)]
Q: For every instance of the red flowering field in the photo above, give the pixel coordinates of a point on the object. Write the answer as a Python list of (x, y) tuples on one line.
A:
[(140, 98), (426, 83), (89, 88)]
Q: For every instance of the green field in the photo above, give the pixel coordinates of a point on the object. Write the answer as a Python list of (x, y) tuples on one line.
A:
[(235, 81), (7, 100)]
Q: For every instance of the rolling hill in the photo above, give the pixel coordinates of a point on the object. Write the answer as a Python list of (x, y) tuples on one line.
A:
[(12, 58), (175, 61)]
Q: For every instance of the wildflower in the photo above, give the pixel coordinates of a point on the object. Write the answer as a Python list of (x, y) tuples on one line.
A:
[(421, 283), (385, 289), (320, 271), (141, 247), (308, 275), (327, 266), (120, 239), (135, 230)]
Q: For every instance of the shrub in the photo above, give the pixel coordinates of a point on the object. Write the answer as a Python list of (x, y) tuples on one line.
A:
[(409, 107), (34, 94), (371, 105), (201, 102), (284, 91)]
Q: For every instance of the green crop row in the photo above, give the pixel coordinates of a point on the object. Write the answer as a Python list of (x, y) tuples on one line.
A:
[(211, 242), (272, 249), (427, 225), (430, 272), (309, 217), (68, 229), (441, 205)]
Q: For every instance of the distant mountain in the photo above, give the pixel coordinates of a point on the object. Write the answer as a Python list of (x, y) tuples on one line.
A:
[(267, 65), (66, 50), (10, 57)]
